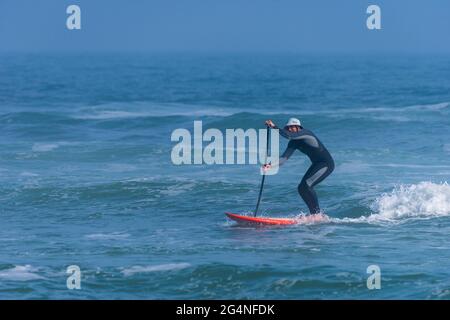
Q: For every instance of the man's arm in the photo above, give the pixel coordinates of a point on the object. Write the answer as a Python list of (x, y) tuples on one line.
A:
[(286, 133), (284, 157), (287, 153)]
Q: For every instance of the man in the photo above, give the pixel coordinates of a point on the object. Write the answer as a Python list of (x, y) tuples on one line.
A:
[(322, 163)]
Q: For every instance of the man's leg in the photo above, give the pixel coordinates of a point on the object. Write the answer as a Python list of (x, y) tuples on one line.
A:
[(316, 173)]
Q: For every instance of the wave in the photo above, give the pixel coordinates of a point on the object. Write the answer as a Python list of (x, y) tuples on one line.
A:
[(149, 109), (155, 268), (424, 107), (110, 115), (107, 236), (44, 147), (416, 201), (39, 118), (20, 273), (118, 112), (358, 166), (163, 110)]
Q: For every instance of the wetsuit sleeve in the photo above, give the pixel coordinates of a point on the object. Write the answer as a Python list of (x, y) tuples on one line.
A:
[(287, 153), (283, 132)]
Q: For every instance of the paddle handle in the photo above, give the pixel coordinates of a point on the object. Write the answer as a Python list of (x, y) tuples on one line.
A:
[(264, 175)]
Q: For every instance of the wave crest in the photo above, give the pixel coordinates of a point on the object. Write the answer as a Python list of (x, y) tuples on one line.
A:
[(415, 201), (155, 268), (418, 200), (20, 273)]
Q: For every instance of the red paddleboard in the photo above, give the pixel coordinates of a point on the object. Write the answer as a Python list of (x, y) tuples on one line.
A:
[(260, 220)]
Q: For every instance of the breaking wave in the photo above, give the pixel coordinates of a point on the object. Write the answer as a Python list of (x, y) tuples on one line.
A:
[(156, 268), (20, 273), (416, 201)]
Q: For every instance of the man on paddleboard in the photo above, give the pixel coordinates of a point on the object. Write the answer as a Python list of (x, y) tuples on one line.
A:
[(322, 163)]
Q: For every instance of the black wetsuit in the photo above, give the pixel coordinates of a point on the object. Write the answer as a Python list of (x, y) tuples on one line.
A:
[(321, 167)]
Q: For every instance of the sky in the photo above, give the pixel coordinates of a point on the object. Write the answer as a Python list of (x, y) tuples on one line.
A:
[(417, 26)]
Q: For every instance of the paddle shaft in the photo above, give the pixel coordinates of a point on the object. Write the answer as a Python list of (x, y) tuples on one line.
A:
[(264, 175)]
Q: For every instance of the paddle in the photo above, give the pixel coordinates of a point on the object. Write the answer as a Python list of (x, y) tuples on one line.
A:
[(264, 175)]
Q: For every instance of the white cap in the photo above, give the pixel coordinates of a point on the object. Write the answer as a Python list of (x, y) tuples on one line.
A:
[(293, 122)]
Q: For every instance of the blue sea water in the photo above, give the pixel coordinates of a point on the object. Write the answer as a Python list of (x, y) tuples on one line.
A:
[(86, 177)]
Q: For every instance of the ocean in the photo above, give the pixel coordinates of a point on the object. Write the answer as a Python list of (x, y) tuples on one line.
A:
[(86, 177)]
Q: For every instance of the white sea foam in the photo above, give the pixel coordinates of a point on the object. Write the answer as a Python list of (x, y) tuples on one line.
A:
[(105, 115), (107, 236), (178, 189), (142, 109), (411, 166), (420, 201), (50, 146), (145, 109), (20, 273), (162, 267), (425, 107), (28, 174), (364, 110), (119, 167), (358, 166), (44, 147), (353, 167), (423, 199), (115, 114), (430, 107)]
